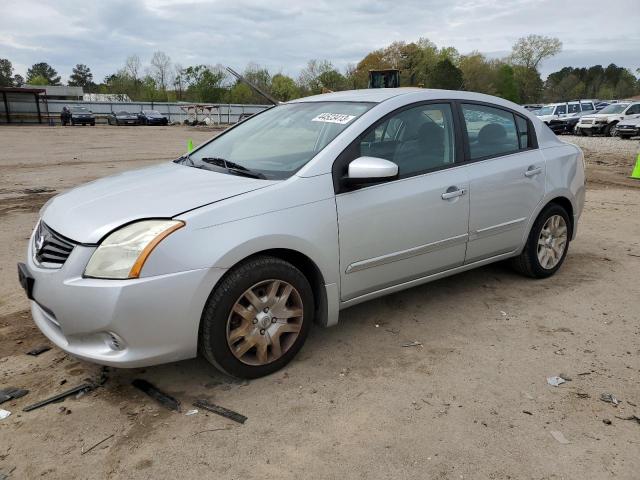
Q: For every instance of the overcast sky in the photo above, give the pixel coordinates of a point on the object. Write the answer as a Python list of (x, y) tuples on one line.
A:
[(282, 35)]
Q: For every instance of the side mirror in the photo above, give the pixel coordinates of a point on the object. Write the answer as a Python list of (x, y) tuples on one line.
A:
[(370, 170)]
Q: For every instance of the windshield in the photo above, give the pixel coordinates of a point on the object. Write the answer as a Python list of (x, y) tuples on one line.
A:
[(151, 112), (278, 142), (615, 108), (548, 110), (79, 109), (123, 113)]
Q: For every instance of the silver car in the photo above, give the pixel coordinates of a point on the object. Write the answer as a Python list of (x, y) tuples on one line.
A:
[(308, 208)]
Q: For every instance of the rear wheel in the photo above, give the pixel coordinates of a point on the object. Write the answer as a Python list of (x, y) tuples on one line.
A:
[(258, 318), (547, 245)]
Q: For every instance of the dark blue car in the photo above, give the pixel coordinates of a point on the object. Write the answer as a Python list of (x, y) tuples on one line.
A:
[(152, 117)]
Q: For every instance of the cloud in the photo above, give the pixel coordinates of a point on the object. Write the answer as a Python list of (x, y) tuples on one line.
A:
[(283, 34)]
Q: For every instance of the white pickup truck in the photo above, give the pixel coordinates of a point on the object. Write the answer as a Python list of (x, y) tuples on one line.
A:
[(606, 120)]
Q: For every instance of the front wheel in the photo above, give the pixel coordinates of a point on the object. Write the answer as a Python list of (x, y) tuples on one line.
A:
[(610, 130), (258, 318), (547, 245)]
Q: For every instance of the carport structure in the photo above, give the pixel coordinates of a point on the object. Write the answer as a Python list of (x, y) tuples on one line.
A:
[(22, 105)]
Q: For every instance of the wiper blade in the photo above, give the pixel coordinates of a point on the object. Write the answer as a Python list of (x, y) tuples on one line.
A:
[(233, 167)]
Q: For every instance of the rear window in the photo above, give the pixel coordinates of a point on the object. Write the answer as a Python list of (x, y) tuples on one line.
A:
[(587, 106), (574, 108), (491, 131)]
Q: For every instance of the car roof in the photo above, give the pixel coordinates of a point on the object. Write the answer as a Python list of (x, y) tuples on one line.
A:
[(375, 95)]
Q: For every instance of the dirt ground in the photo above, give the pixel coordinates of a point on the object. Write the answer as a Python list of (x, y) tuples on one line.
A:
[(471, 402)]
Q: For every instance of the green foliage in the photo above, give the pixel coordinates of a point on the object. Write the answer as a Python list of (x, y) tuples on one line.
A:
[(593, 82), (506, 86), (6, 73), (81, 76), (38, 80), (45, 71), (284, 88), (204, 84), (445, 75)]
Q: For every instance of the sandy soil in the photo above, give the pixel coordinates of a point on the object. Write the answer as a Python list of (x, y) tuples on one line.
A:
[(471, 402)]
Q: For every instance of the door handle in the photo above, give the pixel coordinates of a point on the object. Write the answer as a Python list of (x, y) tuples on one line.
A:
[(449, 194), (532, 171)]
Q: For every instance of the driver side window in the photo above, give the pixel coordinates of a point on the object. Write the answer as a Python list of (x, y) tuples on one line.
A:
[(418, 139)]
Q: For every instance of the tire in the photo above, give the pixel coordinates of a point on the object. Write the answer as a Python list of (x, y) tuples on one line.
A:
[(610, 130), (220, 319), (528, 262)]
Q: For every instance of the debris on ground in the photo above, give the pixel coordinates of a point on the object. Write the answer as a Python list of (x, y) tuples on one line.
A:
[(412, 344), (631, 417), (12, 393), (527, 412), (559, 437), (606, 421), (83, 451), (609, 398), (191, 412), (38, 350), (64, 411), (230, 414), (4, 414), (582, 395), (164, 399), (556, 380), (85, 387)]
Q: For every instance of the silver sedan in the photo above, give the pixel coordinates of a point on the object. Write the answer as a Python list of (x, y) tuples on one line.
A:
[(310, 207)]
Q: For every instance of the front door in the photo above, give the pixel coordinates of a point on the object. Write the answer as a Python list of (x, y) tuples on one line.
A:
[(412, 226)]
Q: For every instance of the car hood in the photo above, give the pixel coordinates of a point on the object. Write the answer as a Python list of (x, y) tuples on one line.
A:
[(87, 213), (630, 121)]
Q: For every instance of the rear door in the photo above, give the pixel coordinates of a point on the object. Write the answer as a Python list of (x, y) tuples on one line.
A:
[(506, 178), (412, 226)]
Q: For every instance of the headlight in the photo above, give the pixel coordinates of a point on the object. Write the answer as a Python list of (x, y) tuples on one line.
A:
[(122, 254)]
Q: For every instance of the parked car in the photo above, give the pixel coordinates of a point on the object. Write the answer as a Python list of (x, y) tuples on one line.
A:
[(284, 219), (81, 116), (123, 118), (564, 125), (555, 111), (152, 117), (628, 128), (605, 120)]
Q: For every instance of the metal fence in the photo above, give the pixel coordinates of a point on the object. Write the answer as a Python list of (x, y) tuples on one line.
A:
[(27, 111)]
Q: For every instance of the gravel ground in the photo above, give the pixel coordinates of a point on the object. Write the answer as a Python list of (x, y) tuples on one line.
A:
[(471, 402), (609, 159)]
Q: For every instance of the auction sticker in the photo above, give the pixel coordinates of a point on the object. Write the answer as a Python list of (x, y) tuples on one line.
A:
[(340, 118)]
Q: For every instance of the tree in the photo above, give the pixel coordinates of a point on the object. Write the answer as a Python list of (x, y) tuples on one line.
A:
[(45, 71), (81, 76), (506, 86), (529, 51), (479, 74), (161, 69), (284, 88), (6, 73), (204, 83), (18, 80), (38, 80), (309, 79), (445, 75), (529, 84), (332, 80)]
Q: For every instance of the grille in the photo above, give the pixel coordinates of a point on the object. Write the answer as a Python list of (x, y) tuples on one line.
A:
[(51, 249), (587, 122)]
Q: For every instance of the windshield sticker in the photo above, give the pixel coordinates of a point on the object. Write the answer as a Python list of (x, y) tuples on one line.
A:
[(340, 118)]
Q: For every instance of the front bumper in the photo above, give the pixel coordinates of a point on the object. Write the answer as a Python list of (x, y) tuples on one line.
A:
[(120, 323), (593, 127), (628, 131)]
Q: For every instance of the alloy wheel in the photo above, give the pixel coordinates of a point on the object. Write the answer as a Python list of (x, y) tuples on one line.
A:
[(552, 242), (265, 322)]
